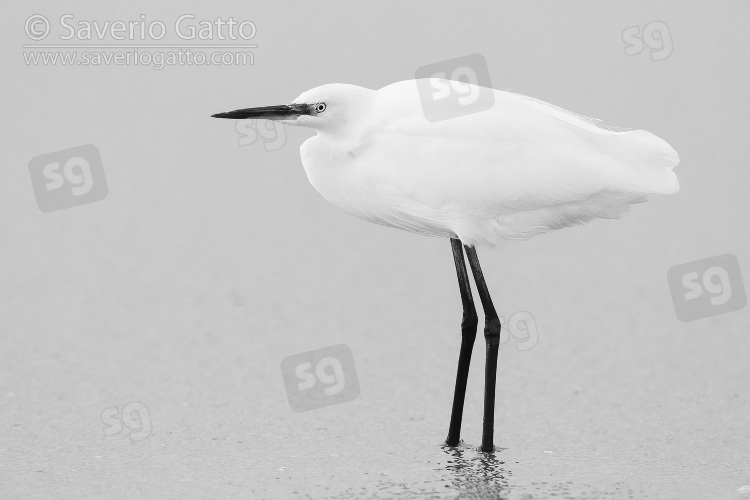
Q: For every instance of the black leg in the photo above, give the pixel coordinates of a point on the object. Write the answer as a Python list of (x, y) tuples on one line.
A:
[(468, 334), (492, 338)]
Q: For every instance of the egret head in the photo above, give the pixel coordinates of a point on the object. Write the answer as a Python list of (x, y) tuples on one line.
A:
[(328, 109)]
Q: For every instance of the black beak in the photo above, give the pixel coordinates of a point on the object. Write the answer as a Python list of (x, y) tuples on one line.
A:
[(282, 112)]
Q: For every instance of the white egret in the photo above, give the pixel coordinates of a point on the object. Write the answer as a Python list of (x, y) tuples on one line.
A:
[(520, 168)]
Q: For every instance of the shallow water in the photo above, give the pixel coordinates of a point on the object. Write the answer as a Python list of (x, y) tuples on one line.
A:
[(658, 412)]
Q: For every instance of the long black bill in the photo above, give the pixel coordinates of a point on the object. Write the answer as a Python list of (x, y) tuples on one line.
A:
[(281, 112)]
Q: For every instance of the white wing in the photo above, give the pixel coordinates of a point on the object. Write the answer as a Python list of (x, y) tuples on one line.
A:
[(523, 164)]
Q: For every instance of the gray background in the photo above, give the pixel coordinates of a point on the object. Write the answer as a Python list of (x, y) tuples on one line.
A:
[(208, 263)]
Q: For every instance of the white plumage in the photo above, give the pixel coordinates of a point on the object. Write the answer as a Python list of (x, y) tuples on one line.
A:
[(521, 168)]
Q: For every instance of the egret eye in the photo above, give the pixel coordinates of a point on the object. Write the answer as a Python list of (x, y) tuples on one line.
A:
[(320, 107)]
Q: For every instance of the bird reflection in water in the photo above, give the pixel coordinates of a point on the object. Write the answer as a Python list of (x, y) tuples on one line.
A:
[(476, 474)]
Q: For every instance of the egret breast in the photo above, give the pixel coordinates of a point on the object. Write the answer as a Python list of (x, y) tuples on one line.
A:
[(354, 186), (326, 169)]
